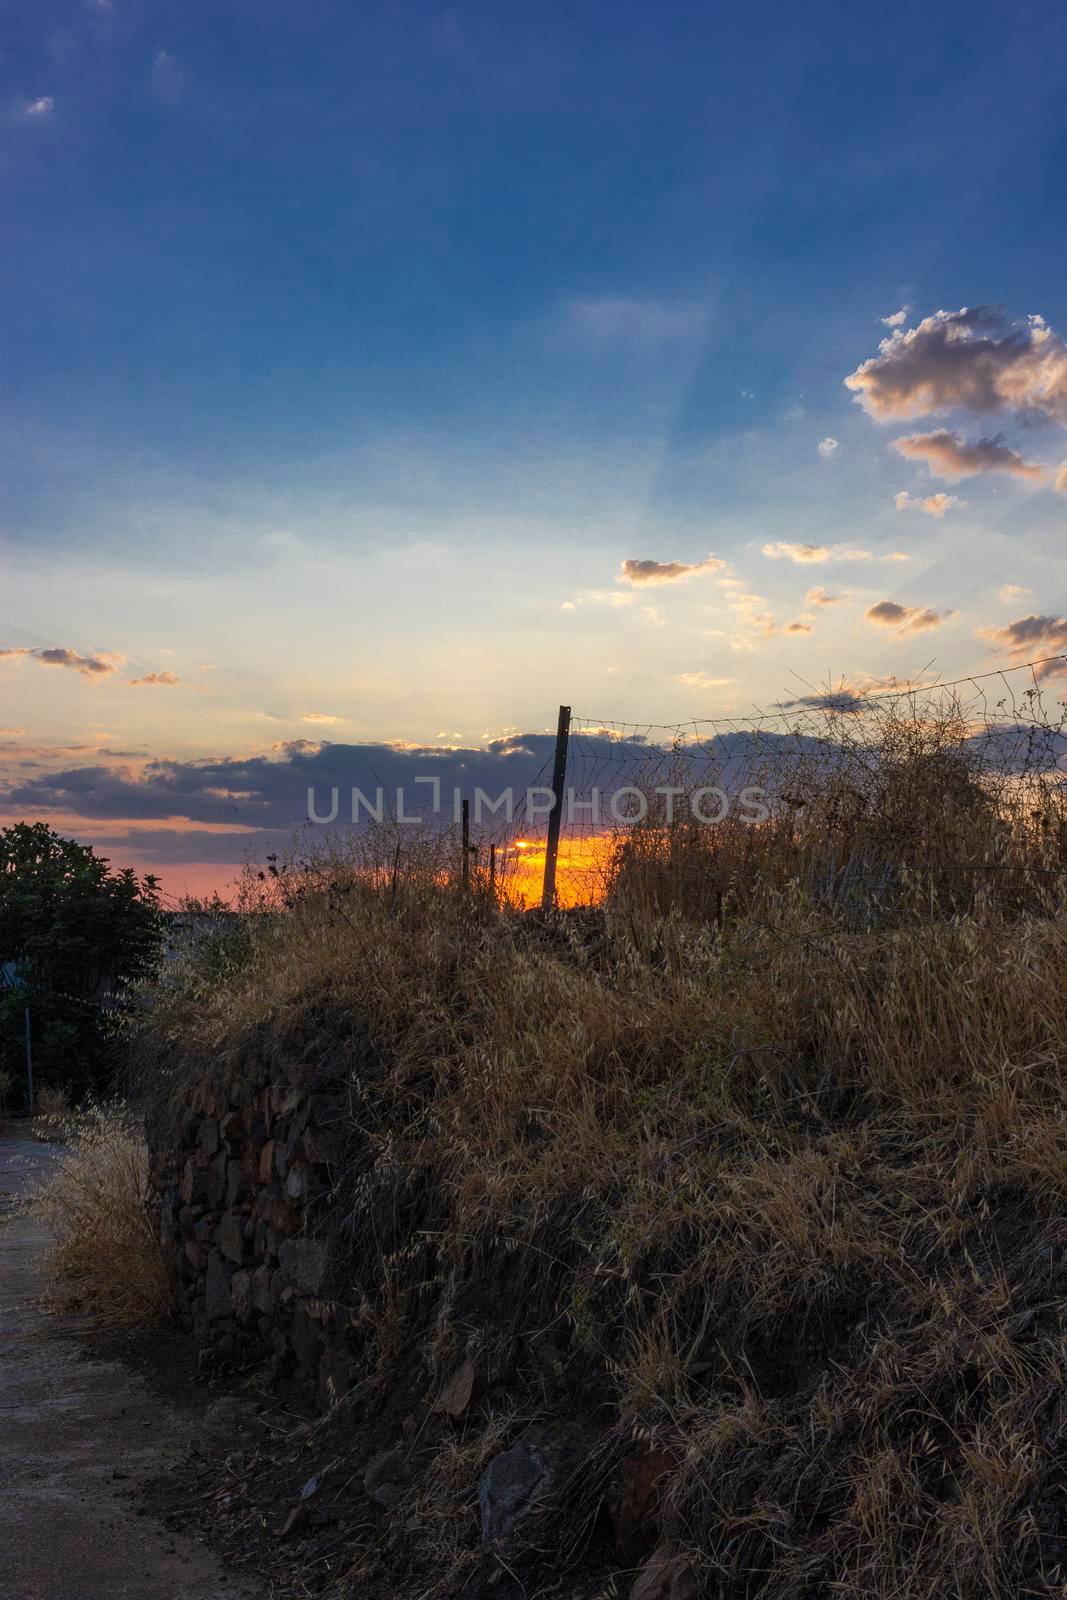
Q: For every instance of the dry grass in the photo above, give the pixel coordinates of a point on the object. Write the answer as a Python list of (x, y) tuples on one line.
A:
[(106, 1263), (786, 1191)]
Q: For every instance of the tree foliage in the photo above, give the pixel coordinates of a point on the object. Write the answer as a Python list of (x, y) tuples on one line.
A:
[(74, 936)]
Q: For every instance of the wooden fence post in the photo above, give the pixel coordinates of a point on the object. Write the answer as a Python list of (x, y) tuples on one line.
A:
[(465, 845), (555, 816)]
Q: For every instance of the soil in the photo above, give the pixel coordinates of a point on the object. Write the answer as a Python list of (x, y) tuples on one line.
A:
[(82, 1438)]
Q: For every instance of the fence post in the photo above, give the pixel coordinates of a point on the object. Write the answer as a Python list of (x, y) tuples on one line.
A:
[(465, 846), (555, 816)]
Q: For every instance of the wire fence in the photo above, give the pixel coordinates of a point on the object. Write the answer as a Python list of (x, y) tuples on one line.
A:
[(967, 775)]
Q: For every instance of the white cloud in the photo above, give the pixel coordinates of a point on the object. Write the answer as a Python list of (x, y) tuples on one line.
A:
[(934, 505), (974, 360), (1014, 591), (42, 107), (819, 597), (827, 447), (700, 680), (897, 319)]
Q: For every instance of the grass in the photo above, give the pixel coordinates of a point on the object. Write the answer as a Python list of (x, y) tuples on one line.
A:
[(106, 1263), (780, 1172)]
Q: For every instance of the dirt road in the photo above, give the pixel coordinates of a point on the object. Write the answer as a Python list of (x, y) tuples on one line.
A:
[(77, 1435)]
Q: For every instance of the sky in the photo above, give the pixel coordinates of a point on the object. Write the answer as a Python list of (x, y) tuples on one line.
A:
[(382, 376)]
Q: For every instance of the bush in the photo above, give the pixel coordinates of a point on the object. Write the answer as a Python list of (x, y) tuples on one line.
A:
[(107, 1262)]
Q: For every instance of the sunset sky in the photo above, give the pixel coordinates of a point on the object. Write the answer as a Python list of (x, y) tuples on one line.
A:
[(386, 374)]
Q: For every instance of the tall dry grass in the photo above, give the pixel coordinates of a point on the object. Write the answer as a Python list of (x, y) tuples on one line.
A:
[(783, 1182), (106, 1262)]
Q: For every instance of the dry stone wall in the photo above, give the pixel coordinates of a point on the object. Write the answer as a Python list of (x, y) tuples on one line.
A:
[(244, 1214)]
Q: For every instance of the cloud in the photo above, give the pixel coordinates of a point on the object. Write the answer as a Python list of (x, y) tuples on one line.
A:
[(634, 571), (973, 359), (1014, 591), (934, 505), (801, 625), (949, 456), (906, 619), (1061, 478), (812, 554), (896, 319), (95, 666), (321, 716), (700, 680), (158, 679), (599, 597), (11, 733), (621, 320), (802, 554), (1029, 637), (42, 107), (819, 597), (827, 447)]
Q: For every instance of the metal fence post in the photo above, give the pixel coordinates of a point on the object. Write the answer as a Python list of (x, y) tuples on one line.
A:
[(555, 816)]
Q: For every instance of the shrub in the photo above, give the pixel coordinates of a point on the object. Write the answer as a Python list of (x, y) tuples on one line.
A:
[(106, 1261)]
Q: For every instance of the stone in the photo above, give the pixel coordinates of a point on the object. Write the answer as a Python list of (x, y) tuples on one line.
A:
[(510, 1486), (208, 1137), (304, 1261), (217, 1299), (231, 1130), (215, 1180), (455, 1397), (231, 1239), (204, 1232), (260, 1290), (643, 1478), (266, 1161), (238, 1187), (194, 1255), (192, 1183), (385, 1477)]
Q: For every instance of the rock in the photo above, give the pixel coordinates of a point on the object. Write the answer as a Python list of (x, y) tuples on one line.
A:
[(208, 1137), (510, 1486), (385, 1477), (241, 1296), (238, 1187), (266, 1161), (231, 1130), (215, 1180), (192, 1183), (455, 1397), (304, 1261), (204, 1231), (260, 1290), (668, 1574), (231, 1238), (639, 1501), (217, 1300)]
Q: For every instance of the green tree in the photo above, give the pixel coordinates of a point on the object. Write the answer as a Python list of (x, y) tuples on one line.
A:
[(74, 936)]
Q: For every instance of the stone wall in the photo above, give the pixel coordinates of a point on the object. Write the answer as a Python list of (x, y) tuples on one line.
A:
[(244, 1211)]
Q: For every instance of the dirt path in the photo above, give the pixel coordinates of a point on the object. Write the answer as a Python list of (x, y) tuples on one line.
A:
[(77, 1436)]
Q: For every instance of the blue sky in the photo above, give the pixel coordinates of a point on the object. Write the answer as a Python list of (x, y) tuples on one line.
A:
[(349, 351)]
